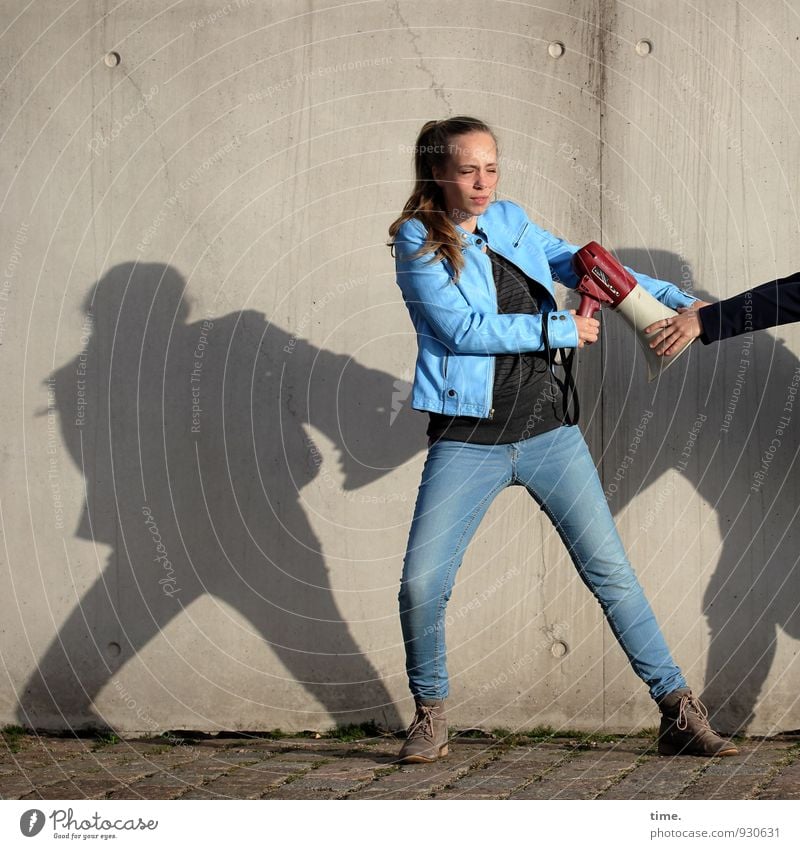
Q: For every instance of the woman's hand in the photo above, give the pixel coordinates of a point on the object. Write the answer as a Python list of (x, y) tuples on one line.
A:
[(677, 332), (588, 329)]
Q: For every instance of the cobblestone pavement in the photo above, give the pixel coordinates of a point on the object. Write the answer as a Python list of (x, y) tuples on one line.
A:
[(248, 767)]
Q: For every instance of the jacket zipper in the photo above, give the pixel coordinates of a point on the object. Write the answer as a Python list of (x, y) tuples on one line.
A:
[(493, 363)]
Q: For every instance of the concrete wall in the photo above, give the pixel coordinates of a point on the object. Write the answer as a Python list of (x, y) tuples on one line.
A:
[(209, 463)]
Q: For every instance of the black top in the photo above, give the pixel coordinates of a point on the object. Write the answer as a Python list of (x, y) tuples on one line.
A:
[(526, 400), (773, 303)]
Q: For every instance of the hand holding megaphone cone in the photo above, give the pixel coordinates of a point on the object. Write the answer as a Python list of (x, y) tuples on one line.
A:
[(674, 334)]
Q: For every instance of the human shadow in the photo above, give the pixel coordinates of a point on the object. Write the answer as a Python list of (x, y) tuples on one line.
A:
[(715, 414), (193, 444)]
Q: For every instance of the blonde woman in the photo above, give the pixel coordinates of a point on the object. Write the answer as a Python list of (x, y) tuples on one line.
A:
[(477, 277)]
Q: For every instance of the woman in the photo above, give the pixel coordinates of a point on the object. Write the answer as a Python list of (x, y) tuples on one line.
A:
[(768, 305), (477, 278)]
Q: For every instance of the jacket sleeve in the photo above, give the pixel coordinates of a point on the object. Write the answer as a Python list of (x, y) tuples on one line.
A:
[(427, 288), (559, 255), (768, 305)]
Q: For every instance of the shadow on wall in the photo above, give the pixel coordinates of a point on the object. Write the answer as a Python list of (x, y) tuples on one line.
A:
[(716, 415), (194, 455)]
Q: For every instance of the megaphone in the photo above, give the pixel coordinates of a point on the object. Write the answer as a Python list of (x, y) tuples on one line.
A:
[(603, 280)]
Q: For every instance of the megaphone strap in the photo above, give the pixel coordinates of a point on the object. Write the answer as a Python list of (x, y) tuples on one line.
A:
[(569, 391)]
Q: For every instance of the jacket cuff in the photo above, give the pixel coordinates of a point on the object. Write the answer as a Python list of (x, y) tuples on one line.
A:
[(711, 322), (681, 299), (561, 329)]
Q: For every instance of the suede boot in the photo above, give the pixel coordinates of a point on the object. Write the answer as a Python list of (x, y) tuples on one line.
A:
[(426, 738), (685, 729)]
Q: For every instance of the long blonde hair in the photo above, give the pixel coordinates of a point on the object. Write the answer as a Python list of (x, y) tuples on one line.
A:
[(426, 202)]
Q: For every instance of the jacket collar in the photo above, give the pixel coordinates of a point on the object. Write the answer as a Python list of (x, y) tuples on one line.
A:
[(480, 230), (480, 224)]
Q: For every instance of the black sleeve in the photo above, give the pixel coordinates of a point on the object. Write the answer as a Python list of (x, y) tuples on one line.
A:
[(768, 305)]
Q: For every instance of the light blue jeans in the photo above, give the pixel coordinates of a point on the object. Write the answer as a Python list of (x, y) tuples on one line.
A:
[(459, 482)]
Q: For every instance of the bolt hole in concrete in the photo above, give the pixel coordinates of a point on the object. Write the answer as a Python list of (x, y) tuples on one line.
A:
[(644, 47), (114, 650), (559, 648), (556, 49), (112, 59)]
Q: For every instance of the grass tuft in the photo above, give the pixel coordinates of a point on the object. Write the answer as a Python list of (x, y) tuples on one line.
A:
[(353, 732), (105, 738), (12, 735)]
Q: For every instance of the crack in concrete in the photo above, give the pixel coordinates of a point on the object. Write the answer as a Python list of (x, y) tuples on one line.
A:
[(437, 88)]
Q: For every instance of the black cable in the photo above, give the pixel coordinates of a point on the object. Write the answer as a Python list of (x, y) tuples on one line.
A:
[(567, 386)]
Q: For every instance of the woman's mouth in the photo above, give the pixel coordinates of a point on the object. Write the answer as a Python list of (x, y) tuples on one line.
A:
[(479, 200)]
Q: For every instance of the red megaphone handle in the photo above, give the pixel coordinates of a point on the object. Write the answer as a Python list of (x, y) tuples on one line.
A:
[(589, 306)]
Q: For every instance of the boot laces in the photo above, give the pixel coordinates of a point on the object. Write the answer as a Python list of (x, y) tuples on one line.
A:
[(422, 722), (692, 704)]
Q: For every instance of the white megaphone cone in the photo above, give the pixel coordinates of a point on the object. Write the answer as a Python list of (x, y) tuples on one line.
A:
[(640, 309), (604, 280)]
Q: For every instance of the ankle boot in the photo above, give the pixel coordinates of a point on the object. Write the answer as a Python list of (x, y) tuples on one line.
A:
[(685, 729), (426, 738)]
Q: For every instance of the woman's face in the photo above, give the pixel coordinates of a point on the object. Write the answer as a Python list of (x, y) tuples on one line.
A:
[(469, 178)]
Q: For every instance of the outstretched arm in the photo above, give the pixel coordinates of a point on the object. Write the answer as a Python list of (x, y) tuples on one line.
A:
[(559, 254), (768, 305)]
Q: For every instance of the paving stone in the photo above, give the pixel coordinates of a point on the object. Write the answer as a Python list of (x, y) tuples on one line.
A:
[(296, 789), (584, 775), (201, 793), (142, 787), (340, 772), (59, 746), (785, 784), (150, 791), (271, 773), (282, 764), (117, 759), (424, 779), (36, 778), (236, 759), (57, 790), (6, 771), (201, 764), (381, 793), (289, 791), (656, 777), (161, 779), (737, 777), (78, 788), (96, 788), (130, 772), (255, 780), (41, 761), (15, 788), (500, 777), (320, 754), (249, 790)]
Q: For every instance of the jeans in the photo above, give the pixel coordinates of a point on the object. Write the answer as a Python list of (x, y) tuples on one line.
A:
[(459, 482)]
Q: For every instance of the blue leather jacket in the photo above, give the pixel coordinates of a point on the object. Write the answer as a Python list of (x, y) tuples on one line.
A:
[(459, 329)]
